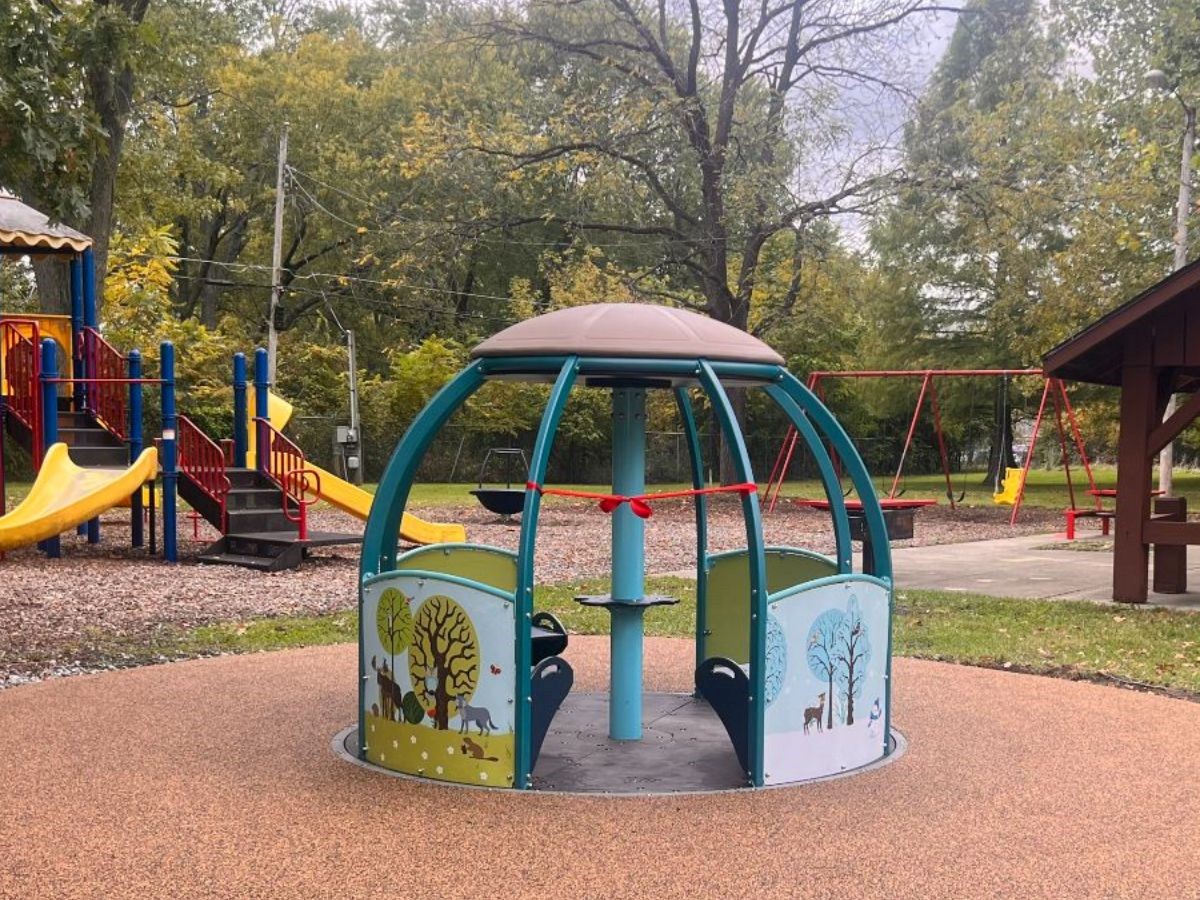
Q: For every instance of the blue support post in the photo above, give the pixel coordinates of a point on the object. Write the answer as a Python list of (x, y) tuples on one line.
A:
[(88, 266), (169, 461), (240, 439), (135, 444), (49, 434), (628, 566), (90, 319), (77, 329), (262, 384)]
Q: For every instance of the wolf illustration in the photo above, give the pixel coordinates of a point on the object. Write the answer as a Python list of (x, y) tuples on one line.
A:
[(473, 715)]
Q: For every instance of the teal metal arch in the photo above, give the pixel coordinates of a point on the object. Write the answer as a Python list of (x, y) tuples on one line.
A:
[(791, 387), (696, 457), (829, 479), (758, 569), (383, 523), (524, 606)]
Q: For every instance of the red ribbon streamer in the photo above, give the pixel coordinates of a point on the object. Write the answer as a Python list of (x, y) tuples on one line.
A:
[(640, 505)]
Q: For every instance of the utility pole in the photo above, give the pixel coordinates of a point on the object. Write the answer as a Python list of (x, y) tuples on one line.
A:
[(276, 258), (1157, 78), (355, 425)]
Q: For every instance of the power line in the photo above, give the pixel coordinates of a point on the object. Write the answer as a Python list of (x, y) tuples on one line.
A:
[(450, 224), (296, 276)]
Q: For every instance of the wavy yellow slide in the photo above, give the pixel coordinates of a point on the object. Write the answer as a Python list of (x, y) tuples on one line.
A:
[(65, 495), (354, 500)]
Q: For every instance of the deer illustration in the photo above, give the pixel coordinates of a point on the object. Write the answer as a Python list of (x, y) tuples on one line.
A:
[(814, 713), (390, 693), (473, 715)]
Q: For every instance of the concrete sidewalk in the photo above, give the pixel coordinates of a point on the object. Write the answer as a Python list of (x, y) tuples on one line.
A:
[(1021, 567)]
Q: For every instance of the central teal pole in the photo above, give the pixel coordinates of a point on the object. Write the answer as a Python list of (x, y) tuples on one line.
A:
[(628, 566)]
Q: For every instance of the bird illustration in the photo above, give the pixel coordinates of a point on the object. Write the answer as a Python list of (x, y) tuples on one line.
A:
[(875, 716)]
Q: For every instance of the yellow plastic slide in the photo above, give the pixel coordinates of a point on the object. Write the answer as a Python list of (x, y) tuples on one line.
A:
[(352, 499), (65, 495)]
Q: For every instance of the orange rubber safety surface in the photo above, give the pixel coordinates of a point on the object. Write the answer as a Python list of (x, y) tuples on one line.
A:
[(215, 778)]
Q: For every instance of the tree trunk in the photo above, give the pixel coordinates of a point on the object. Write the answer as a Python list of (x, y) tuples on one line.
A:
[(850, 689), (829, 700), (53, 284), (441, 699)]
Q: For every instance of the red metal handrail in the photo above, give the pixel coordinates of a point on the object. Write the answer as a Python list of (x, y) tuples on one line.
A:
[(202, 460), (288, 468), (106, 371), (21, 342)]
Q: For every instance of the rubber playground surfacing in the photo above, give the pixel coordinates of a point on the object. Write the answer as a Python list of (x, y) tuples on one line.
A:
[(216, 778)]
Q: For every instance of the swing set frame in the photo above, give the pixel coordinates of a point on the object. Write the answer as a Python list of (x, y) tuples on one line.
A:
[(1053, 391)]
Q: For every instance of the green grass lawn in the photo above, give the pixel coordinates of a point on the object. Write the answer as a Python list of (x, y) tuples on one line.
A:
[(1157, 648)]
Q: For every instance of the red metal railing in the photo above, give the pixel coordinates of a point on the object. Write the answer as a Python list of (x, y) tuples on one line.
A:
[(21, 345), (106, 389), (288, 468), (203, 461)]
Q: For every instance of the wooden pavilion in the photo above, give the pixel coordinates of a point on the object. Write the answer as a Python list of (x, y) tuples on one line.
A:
[(1149, 348)]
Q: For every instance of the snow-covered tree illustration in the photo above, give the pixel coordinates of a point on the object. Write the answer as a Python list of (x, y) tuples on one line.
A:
[(822, 652), (443, 660), (851, 653), (776, 653)]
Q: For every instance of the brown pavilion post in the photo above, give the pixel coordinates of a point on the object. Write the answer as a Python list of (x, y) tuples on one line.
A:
[(1139, 403)]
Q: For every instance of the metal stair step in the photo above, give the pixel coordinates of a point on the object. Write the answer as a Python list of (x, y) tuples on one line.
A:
[(94, 436), (263, 564), (254, 498)]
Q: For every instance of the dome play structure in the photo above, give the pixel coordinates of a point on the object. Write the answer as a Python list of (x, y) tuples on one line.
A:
[(461, 678)]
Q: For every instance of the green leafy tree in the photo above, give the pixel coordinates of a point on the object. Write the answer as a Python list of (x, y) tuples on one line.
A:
[(394, 624)]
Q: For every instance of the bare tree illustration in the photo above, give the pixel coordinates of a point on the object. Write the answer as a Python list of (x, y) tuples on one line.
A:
[(851, 653), (443, 660), (822, 647)]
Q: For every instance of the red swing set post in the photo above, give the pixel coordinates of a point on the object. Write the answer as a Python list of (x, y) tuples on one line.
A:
[(1053, 390)]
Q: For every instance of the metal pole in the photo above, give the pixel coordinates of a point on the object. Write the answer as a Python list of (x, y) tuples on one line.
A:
[(1166, 458), (262, 384), (628, 566), (240, 439), (134, 363), (355, 421), (51, 546), (941, 439), (276, 257), (77, 329), (89, 319), (169, 460), (912, 430), (1037, 424)]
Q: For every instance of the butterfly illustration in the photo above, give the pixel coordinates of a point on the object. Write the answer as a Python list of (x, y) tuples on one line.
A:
[(495, 669)]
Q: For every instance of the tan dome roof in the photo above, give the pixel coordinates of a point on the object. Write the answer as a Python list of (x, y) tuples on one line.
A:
[(628, 330), (24, 228)]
